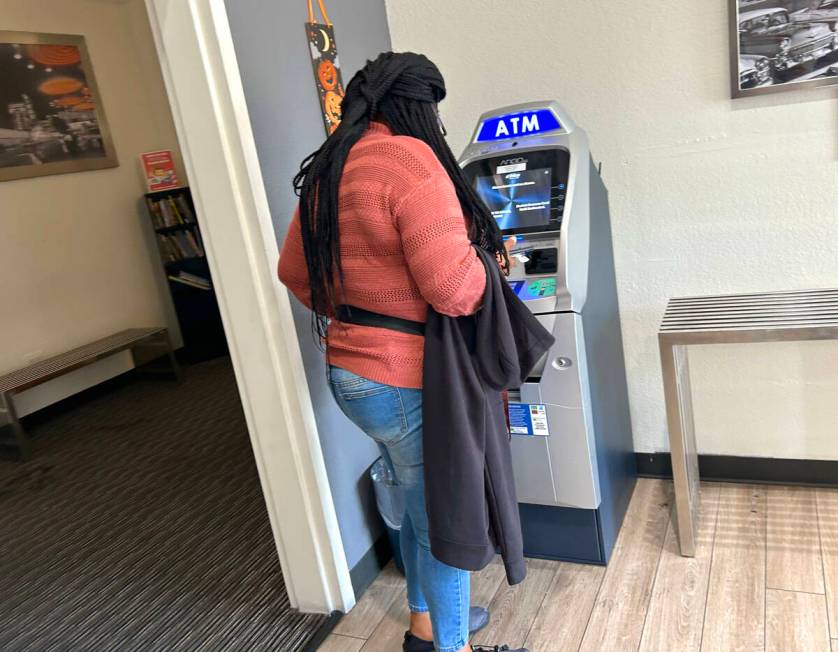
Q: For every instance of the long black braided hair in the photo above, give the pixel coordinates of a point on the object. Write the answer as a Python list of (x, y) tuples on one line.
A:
[(402, 90)]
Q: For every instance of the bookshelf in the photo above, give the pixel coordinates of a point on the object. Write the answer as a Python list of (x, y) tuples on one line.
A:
[(185, 266)]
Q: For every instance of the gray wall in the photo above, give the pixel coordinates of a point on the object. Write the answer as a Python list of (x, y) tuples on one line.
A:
[(282, 101)]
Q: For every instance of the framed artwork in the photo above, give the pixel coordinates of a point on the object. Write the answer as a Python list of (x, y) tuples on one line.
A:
[(51, 116), (781, 45)]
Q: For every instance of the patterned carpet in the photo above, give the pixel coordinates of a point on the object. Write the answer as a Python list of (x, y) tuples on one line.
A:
[(139, 524)]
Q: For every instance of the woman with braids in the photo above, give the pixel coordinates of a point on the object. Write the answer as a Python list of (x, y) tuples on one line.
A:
[(385, 228)]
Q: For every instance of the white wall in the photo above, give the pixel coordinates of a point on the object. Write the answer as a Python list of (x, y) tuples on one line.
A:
[(76, 258), (707, 194)]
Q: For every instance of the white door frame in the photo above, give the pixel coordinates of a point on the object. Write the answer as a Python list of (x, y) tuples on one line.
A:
[(199, 67)]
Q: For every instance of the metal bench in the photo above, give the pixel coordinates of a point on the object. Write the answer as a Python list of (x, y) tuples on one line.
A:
[(728, 319), (145, 344)]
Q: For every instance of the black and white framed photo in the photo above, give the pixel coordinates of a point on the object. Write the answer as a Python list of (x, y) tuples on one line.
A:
[(51, 116), (780, 45)]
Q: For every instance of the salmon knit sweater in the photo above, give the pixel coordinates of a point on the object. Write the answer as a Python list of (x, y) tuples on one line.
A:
[(403, 244)]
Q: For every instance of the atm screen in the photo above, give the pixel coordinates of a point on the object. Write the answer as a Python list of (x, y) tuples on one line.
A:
[(526, 190), (519, 199)]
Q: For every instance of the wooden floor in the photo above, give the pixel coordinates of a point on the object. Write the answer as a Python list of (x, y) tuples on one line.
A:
[(765, 577)]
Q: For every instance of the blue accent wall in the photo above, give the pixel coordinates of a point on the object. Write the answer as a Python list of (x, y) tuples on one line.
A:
[(283, 105)]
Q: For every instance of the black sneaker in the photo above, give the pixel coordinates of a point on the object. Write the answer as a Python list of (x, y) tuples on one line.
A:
[(478, 618), (413, 644)]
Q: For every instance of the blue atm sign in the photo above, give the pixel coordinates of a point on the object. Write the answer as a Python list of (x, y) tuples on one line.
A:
[(512, 125)]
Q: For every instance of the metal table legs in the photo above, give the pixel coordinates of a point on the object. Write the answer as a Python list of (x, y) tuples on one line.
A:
[(679, 416), (11, 421)]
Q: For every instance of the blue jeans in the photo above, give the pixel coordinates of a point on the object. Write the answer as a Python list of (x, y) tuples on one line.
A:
[(392, 416)]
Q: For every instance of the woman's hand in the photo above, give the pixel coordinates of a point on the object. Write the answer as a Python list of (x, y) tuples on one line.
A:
[(509, 244)]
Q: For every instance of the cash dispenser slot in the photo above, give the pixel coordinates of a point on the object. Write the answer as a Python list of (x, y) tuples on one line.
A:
[(549, 322), (542, 261)]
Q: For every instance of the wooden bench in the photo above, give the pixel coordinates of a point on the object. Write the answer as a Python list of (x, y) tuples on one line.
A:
[(145, 344)]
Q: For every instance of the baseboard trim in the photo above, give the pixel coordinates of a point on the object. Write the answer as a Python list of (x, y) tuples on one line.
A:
[(760, 470), (369, 566)]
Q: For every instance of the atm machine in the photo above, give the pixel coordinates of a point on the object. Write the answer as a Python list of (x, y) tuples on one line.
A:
[(571, 434)]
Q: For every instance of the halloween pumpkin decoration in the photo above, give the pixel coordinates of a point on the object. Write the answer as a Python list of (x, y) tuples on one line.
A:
[(324, 60), (327, 74), (331, 106)]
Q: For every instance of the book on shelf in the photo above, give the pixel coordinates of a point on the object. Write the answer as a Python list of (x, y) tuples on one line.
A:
[(185, 209), (179, 245), (195, 243), (167, 250), (168, 217), (174, 210), (192, 280), (154, 212), (170, 211)]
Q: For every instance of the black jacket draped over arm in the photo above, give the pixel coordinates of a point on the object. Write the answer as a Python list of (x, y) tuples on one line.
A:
[(469, 361)]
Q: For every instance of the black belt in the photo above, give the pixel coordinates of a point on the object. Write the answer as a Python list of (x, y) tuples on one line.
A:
[(361, 317)]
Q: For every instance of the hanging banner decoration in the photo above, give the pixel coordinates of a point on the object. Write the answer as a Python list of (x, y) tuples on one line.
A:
[(326, 66)]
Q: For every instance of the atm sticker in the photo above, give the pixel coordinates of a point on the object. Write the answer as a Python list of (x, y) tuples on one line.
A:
[(528, 419)]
